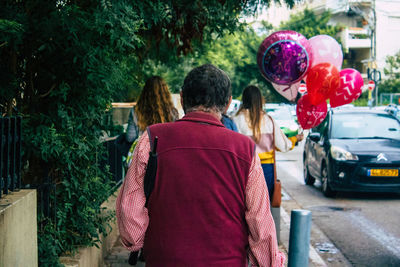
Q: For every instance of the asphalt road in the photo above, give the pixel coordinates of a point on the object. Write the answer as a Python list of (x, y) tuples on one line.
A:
[(364, 228)]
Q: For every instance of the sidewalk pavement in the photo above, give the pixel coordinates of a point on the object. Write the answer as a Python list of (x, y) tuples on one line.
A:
[(118, 256), (314, 259), (322, 251)]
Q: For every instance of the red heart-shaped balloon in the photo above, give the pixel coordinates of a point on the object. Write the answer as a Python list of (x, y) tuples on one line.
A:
[(322, 80), (310, 115)]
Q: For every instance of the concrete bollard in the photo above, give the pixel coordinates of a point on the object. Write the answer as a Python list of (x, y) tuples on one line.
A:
[(299, 238)]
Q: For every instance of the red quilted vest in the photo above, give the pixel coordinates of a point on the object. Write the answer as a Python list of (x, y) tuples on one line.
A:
[(197, 207)]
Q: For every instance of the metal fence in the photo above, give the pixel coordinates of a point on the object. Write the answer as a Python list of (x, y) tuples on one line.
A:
[(115, 160), (10, 165), (10, 154), (46, 191), (47, 201), (389, 98)]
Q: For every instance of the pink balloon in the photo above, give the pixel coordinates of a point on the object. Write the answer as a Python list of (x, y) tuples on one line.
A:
[(349, 88), (326, 49), (287, 91), (310, 115)]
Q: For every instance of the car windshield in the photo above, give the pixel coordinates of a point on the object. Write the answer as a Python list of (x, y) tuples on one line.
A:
[(282, 114), (355, 125)]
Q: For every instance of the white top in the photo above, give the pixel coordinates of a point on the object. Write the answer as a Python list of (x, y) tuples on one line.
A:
[(282, 143)]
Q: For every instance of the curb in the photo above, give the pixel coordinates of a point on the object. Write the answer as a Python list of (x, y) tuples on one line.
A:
[(317, 257), (314, 258)]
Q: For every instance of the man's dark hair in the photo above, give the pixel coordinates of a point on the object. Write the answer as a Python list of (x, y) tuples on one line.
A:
[(206, 86)]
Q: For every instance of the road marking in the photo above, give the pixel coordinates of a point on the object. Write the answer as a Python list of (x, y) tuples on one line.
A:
[(376, 232)]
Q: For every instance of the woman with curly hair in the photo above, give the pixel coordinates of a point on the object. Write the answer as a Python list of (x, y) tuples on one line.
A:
[(153, 106), (253, 121)]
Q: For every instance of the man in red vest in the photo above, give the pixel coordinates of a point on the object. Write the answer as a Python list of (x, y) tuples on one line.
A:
[(210, 204)]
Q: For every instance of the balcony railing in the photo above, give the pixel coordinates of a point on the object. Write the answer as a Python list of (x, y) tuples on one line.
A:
[(338, 5), (366, 3), (354, 38)]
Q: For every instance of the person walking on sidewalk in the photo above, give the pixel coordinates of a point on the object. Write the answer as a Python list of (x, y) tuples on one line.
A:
[(153, 106), (209, 205), (254, 122)]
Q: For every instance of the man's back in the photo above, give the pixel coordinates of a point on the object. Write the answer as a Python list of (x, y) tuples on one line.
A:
[(197, 208)]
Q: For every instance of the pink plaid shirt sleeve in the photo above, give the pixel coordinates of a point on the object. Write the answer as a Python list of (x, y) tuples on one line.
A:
[(262, 235), (133, 219), (132, 216)]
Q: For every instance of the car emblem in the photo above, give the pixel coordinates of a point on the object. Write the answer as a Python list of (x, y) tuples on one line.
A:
[(381, 156)]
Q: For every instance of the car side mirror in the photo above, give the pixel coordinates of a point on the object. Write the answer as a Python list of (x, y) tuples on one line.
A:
[(314, 136)]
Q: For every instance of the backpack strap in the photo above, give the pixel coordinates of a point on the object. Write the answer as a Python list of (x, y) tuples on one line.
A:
[(151, 169)]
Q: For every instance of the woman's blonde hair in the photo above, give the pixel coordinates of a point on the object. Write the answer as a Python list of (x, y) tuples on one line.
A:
[(253, 101), (154, 104)]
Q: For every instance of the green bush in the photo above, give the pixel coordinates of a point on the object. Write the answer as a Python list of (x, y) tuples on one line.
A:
[(67, 62)]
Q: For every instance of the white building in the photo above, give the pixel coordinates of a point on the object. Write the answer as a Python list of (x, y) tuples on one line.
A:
[(363, 20), (357, 18), (275, 14)]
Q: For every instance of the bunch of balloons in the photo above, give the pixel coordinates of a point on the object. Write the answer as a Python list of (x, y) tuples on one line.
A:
[(285, 58)]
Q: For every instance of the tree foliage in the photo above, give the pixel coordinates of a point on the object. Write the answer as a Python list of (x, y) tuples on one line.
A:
[(64, 67), (235, 53), (309, 24), (392, 71), (177, 23), (64, 62)]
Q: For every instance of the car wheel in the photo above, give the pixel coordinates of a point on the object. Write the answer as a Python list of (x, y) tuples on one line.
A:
[(308, 179), (326, 188)]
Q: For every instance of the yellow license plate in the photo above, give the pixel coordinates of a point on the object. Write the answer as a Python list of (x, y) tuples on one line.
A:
[(383, 172)]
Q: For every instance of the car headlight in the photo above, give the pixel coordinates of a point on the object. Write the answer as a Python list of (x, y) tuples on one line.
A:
[(340, 154), (293, 127)]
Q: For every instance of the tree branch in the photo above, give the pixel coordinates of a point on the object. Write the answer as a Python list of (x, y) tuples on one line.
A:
[(48, 92)]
